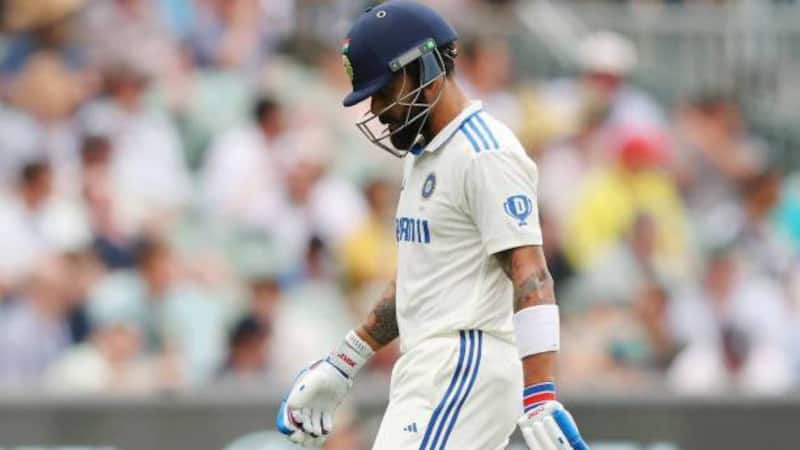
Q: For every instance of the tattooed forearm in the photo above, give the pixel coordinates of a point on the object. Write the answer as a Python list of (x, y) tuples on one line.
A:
[(533, 285), (527, 269), (381, 325), (536, 289)]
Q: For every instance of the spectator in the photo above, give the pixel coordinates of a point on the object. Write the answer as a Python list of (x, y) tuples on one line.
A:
[(246, 363), (42, 125), (228, 34), (606, 60), (571, 158), (369, 254), (716, 153), (36, 220), (620, 271), (111, 26), (148, 170), (486, 65), (769, 249), (319, 203), (314, 305), (735, 327), (112, 242), (613, 196), (45, 25), (251, 155), (652, 309), (111, 362), (158, 299), (33, 328), (83, 270)]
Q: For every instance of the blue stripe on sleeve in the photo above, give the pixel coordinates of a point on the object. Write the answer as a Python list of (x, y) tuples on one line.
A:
[(471, 124), (471, 139), (487, 130)]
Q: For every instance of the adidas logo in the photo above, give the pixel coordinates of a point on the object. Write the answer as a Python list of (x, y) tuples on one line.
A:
[(411, 428)]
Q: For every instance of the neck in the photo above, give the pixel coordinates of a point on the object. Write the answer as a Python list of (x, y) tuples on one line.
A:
[(450, 105)]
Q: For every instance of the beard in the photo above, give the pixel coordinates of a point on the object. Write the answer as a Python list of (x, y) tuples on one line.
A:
[(405, 138)]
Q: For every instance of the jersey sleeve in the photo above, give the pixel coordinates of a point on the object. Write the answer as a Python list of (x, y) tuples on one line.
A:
[(500, 194)]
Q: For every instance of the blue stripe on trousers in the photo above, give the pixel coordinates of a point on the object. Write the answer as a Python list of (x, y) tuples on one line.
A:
[(453, 382), (469, 389), (454, 401)]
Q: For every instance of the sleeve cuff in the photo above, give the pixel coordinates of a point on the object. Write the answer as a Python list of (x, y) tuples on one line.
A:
[(498, 244)]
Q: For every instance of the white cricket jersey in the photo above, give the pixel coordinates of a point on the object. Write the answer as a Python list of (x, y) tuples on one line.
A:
[(467, 195)]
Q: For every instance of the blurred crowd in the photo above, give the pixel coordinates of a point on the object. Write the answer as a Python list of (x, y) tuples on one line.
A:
[(184, 203)]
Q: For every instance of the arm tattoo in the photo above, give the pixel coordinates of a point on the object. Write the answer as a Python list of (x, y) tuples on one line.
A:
[(533, 284), (382, 322), (536, 289)]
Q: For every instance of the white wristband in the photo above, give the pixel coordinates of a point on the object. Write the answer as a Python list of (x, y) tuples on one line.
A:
[(351, 355), (537, 330)]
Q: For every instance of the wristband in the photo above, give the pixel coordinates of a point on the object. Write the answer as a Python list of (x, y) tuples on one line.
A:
[(351, 355), (537, 395)]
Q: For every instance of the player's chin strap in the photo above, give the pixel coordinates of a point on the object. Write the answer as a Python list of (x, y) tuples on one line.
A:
[(431, 69)]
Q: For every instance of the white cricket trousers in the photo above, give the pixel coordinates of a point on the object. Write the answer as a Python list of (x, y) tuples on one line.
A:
[(458, 392)]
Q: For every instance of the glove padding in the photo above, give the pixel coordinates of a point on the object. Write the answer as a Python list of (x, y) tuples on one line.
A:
[(551, 427), (306, 416)]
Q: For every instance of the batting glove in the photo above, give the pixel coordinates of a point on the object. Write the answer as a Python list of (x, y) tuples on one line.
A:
[(306, 415), (546, 424)]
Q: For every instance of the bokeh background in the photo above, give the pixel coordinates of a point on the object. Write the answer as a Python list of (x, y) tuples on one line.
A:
[(188, 215)]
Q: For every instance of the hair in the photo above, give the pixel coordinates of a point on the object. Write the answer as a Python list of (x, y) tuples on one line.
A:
[(148, 248), (33, 171), (264, 106), (93, 145), (246, 328)]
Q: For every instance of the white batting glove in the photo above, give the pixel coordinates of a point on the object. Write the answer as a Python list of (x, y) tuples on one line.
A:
[(306, 416), (546, 424)]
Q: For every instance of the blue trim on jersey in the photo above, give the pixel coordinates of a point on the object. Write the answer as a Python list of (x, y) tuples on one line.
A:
[(469, 389), (471, 139), (456, 375), (416, 149), (453, 401), (540, 387), (488, 131), (474, 128)]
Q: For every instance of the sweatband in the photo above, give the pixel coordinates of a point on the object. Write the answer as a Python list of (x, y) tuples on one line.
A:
[(537, 330)]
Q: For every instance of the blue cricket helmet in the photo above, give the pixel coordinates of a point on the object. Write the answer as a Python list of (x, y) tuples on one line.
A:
[(385, 38)]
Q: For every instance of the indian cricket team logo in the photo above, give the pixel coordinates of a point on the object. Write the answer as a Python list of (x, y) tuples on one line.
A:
[(519, 207), (348, 66), (429, 185)]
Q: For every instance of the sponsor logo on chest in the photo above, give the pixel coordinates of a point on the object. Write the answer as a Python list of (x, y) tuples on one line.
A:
[(412, 229)]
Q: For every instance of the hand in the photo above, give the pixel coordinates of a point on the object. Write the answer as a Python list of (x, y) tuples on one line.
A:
[(306, 416), (551, 427)]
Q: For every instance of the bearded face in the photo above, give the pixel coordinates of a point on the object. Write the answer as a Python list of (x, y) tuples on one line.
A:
[(404, 117)]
